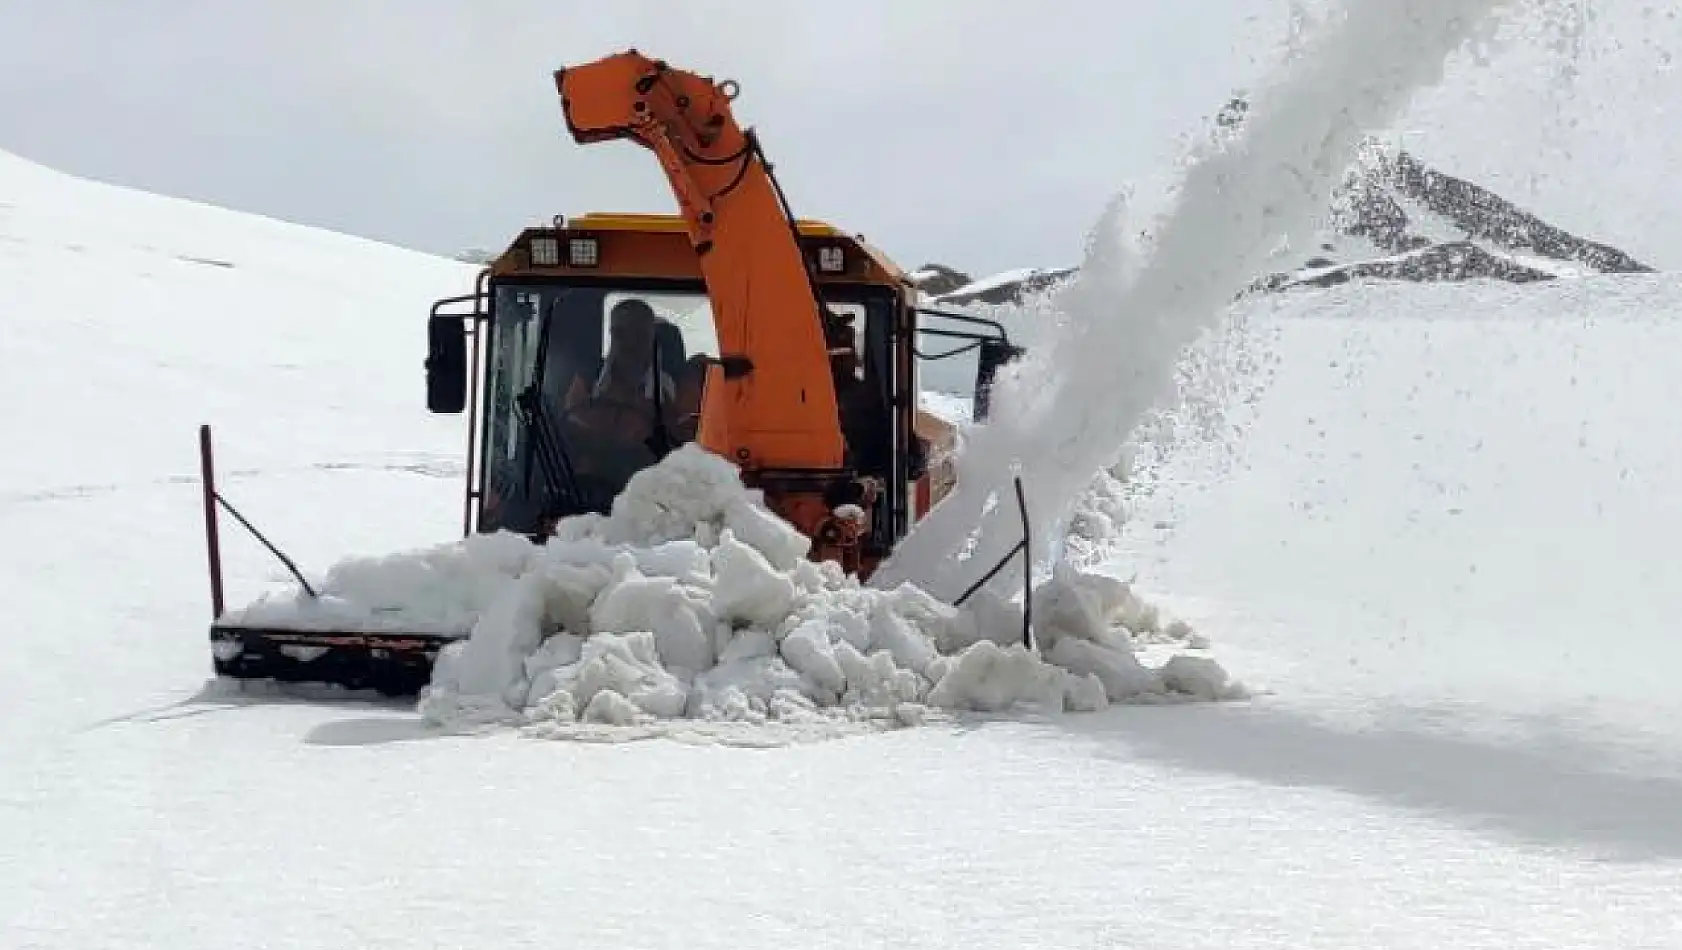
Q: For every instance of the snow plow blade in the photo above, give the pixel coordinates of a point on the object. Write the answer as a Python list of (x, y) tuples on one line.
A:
[(392, 664), (393, 661)]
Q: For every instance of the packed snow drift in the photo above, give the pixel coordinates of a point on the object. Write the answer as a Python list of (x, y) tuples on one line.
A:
[(694, 602)]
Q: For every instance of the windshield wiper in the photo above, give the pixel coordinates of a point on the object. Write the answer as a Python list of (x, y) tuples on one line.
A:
[(662, 439), (548, 446)]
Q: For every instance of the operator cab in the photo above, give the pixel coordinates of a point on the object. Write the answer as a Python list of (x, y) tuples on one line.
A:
[(591, 344)]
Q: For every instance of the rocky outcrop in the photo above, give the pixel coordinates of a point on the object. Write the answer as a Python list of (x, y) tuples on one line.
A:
[(1459, 260), (937, 279), (1486, 216), (1394, 218), (1397, 218)]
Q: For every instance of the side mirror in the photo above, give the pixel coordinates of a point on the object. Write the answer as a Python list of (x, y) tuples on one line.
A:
[(990, 356), (446, 364)]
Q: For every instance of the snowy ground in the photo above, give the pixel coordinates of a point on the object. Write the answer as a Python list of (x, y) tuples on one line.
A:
[(1437, 540), (1445, 759), (1460, 494)]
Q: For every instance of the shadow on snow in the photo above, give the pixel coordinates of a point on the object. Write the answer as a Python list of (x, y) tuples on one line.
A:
[(1546, 790)]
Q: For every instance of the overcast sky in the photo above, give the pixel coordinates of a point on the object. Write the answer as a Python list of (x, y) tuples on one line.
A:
[(983, 134)]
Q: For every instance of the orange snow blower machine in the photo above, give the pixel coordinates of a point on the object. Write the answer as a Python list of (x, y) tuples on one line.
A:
[(787, 346)]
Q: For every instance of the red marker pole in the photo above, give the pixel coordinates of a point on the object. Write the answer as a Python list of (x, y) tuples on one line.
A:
[(212, 539)]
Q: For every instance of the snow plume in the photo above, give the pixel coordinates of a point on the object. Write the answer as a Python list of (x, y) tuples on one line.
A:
[(1213, 402), (1143, 294), (692, 611)]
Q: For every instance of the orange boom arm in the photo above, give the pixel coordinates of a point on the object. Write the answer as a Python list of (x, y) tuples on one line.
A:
[(770, 402)]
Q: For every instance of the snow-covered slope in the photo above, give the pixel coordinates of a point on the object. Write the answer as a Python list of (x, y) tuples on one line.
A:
[(131, 319), (138, 317)]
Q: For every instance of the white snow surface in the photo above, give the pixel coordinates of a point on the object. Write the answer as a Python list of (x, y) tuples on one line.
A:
[(1459, 492), (1429, 525), (127, 280)]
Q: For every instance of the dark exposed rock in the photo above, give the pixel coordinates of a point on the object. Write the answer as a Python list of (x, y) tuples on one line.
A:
[(1486, 215), (1396, 196), (1459, 260), (937, 279)]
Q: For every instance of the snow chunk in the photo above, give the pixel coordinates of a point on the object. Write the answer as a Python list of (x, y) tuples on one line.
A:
[(775, 539), (617, 680), (665, 502), (674, 615), (1200, 677), (808, 651), (748, 589), (991, 678)]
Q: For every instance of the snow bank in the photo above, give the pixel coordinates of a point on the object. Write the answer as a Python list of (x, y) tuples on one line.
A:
[(693, 611), (441, 590)]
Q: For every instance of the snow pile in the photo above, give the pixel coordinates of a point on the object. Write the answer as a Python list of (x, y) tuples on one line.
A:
[(692, 610), (441, 590)]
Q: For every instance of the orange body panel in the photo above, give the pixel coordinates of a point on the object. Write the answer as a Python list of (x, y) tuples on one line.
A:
[(782, 413)]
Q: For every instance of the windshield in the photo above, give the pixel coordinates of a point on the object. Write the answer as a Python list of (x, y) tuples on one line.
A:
[(619, 384)]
